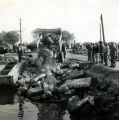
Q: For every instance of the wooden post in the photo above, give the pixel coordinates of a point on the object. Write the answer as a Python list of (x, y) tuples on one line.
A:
[(99, 44), (102, 28), (39, 40), (100, 33), (20, 33)]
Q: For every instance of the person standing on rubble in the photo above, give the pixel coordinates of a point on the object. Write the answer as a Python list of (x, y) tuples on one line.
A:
[(113, 55)]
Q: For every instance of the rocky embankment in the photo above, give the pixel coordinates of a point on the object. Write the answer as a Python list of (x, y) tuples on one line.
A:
[(85, 89)]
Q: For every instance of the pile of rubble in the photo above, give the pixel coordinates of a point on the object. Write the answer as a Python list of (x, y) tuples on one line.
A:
[(69, 83), (64, 78)]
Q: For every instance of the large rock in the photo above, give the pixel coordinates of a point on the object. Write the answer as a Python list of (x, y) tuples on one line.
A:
[(79, 83), (74, 74), (74, 103), (75, 84), (63, 88), (50, 80), (74, 65)]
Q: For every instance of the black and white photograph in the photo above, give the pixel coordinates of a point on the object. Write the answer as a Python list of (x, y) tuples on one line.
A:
[(59, 59)]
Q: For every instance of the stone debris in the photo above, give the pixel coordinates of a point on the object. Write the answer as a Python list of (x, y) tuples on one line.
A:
[(82, 93), (74, 103), (75, 84), (73, 74)]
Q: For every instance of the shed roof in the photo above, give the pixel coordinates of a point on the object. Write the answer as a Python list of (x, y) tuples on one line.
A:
[(56, 31)]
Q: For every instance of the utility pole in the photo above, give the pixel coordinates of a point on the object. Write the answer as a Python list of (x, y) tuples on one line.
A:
[(100, 41), (100, 33), (102, 28), (20, 33)]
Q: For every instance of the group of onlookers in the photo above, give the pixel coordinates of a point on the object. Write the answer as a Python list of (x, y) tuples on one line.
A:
[(102, 53)]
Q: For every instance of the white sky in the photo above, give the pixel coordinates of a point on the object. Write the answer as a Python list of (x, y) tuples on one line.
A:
[(81, 17)]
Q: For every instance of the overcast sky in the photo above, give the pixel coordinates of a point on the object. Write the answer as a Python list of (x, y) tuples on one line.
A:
[(81, 17)]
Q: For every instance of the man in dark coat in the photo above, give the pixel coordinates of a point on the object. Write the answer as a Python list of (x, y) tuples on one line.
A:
[(113, 55), (64, 50), (93, 52), (106, 51), (89, 49), (19, 52), (96, 53)]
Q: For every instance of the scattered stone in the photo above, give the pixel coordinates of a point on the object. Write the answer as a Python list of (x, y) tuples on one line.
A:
[(74, 74), (74, 103), (68, 80), (63, 88), (80, 83)]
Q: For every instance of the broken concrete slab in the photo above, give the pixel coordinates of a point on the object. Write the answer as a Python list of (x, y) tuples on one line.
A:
[(16, 71)]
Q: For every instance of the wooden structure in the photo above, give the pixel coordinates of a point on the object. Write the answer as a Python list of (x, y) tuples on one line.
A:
[(41, 33), (102, 26)]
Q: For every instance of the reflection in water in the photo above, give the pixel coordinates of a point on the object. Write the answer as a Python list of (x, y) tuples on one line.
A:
[(7, 96), (53, 111), (50, 111)]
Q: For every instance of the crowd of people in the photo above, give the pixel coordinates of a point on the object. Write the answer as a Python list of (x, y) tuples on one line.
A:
[(102, 53)]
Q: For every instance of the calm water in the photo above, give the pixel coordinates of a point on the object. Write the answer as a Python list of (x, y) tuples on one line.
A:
[(7, 96), (47, 111)]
